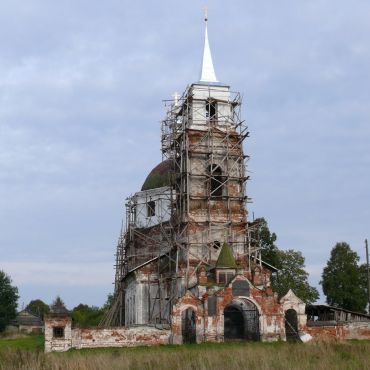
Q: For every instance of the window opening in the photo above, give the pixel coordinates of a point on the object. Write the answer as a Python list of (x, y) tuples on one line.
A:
[(211, 110), (216, 244), (58, 332), (225, 277), (216, 180), (151, 208)]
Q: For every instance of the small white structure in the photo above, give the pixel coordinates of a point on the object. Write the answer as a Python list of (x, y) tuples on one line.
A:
[(295, 317)]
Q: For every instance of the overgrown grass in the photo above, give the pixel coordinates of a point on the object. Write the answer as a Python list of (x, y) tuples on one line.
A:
[(231, 355), (22, 341)]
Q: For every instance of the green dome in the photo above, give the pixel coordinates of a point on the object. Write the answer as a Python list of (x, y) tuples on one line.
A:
[(159, 176)]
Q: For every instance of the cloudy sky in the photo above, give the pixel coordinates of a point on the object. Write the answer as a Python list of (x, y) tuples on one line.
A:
[(81, 89)]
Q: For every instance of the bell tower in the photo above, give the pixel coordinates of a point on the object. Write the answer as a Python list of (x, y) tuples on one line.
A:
[(188, 223), (203, 136)]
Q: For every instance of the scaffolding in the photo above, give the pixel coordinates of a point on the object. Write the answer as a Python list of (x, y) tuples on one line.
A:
[(206, 204)]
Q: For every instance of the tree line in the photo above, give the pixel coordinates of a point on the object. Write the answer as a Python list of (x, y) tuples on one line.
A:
[(83, 315), (343, 281)]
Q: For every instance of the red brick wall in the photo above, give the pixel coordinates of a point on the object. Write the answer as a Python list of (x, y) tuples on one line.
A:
[(341, 331), (119, 337)]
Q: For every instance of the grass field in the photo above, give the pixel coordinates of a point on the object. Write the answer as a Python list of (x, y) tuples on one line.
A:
[(27, 353)]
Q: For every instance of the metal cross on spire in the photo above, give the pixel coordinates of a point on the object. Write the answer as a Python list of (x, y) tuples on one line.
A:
[(208, 72)]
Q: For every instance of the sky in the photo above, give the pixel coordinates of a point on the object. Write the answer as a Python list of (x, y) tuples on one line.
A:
[(81, 90)]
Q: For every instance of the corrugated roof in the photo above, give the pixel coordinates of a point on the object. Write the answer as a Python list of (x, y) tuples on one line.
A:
[(28, 319), (327, 307)]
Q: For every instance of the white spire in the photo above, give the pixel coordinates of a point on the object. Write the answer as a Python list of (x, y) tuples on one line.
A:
[(208, 72)]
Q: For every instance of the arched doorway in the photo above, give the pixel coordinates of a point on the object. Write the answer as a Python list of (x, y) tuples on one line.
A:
[(188, 324), (233, 323), (241, 321), (291, 325)]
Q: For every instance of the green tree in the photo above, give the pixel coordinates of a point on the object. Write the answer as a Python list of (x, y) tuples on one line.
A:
[(292, 275), (58, 306), (363, 279), (85, 315), (262, 236), (108, 303), (8, 300), (38, 307), (343, 280)]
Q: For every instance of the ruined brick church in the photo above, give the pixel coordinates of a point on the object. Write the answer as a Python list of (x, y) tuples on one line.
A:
[(188, 261)]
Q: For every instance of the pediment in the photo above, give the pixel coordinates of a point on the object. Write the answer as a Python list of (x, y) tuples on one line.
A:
[(291, 297)]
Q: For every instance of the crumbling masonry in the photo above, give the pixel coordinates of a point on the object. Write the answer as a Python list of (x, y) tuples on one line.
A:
[(186, 260), (187, 266)]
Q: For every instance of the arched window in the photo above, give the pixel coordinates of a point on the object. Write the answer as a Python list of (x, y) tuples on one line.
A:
[(215, 173), (211, 109), (150, 208)]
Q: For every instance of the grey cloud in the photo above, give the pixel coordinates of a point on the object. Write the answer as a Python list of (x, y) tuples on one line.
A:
[(81, 85)]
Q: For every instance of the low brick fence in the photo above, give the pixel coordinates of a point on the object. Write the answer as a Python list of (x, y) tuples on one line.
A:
[(119, 337), (69, 337), (339, 330)]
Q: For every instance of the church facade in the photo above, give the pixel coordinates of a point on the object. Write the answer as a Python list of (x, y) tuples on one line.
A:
[(188, 259)]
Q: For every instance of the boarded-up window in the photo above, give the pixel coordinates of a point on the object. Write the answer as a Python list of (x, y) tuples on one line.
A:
[(221, 277), (241, 288), (212, 305)]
